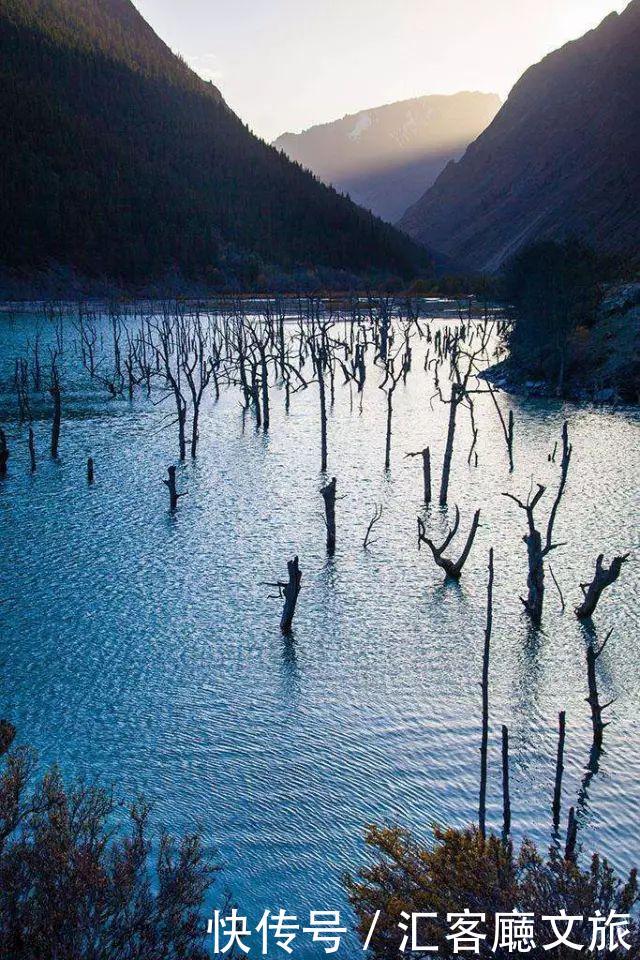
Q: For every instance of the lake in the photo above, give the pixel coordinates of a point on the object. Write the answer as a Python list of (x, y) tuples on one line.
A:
[(143, 649)]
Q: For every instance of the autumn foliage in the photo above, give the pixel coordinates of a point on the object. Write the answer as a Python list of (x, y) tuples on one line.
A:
[(462, 870)]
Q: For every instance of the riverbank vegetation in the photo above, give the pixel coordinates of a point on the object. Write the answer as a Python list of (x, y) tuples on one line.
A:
[(575, 323), (461, 870), (77, 882)]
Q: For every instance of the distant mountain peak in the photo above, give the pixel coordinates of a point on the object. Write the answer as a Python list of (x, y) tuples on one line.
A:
[(384, 157), (561, 158)]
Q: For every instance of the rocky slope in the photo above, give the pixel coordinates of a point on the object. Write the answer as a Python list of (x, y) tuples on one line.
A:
[(384, 158), (561, 158)]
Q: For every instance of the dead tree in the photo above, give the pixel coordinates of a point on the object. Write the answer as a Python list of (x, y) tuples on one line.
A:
[(603, 578), (4, 454), (507, 427), (36, 368), (197, 365), (319, 358), (389, 385), (170, 483), (260, 371), (572, 835), (454, 402), (375, 518), (168, 333), (537, 550), (329, 496), (460, 391), (426, 472), (382, 325), (593, 699), (506, 795), (54, 390), (484, 743), (289, 591), (21, 383), (32, 451), (451, 568), (557, 790)]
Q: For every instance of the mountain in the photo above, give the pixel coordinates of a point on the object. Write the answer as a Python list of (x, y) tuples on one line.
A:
[(384, 158), (118, 161), (562, 158)]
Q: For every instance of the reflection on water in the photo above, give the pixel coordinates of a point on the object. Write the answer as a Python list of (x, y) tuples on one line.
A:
[(142, 648)]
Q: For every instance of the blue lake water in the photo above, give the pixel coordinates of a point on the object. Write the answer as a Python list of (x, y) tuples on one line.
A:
[(142, 649)]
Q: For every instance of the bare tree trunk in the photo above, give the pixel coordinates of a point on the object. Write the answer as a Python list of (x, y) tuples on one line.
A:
[(593, 699), (572, 836), (510, 440), (603, 578), (194, 429), (387, 448), (264, 383), (57, 413), (182, 425), (451, 568), (255, 395), (4, 454), (291, 591), (535, 577), (557, 790), (32, 451), (323, 420), (426, 475), (384, 336), (283, 367), (329, 496), (171, 485), (448, 452), (482, 814), (506, 795)]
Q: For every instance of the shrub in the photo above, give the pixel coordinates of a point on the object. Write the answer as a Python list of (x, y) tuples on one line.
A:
[(76, 885), (463, 870)]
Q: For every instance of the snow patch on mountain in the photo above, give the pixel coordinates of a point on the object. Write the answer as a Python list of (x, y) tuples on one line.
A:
[(363, 123)]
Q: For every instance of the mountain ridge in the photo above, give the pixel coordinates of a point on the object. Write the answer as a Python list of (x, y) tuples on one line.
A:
[(117, 160), (383, 156), (561, 158)]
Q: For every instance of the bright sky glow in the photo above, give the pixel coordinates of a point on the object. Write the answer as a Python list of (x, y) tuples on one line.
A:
[(287, 64)]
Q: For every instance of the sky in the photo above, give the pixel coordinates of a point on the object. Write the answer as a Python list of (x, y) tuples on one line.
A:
[(284, 65)]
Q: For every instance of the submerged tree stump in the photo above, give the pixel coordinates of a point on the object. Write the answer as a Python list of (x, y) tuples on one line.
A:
[(537, 549), (174, 496), (4, 454), (557, 790), (426, 473), (329, 496), (457, 394), (484, 743), (603, 578), (597, 709), (506, 795), (32, 451), (452, 568), (290, 592), (55, 392)]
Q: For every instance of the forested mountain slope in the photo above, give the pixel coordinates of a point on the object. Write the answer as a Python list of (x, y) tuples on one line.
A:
[(116, 160)]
